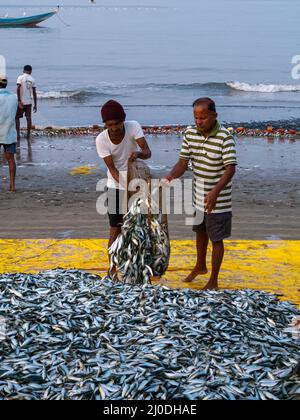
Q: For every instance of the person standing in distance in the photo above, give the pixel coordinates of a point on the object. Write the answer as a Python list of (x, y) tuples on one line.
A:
[(26, 91)]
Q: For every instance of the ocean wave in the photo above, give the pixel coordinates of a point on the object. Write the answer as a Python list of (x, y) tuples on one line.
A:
[(263, 88), (225, 87), (185, 86), (215, 88), (107, 90), (60, 94)]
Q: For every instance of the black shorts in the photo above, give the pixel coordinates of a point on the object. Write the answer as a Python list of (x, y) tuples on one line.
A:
[(116, 207), (27, 110), (218, 226)]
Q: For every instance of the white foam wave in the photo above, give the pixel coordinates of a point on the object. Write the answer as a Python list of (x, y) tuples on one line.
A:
[(57, 94), (262, 88)]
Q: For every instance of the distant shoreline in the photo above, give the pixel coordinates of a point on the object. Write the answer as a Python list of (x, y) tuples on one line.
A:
[(246, 130)]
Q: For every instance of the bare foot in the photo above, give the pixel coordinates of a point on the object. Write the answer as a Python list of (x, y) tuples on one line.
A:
[(195, 273), (12, 189), (211, 286)]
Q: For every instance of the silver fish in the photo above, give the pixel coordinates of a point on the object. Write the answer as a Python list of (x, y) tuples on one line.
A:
[(75, 336)]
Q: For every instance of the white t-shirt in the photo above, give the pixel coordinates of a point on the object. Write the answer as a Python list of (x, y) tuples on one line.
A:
[(27, 83), (119, 152)]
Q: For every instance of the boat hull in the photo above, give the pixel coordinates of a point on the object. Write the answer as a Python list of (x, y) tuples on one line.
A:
[(24, 22)]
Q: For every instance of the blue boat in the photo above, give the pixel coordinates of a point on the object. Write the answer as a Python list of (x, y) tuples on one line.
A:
[(29, 21)]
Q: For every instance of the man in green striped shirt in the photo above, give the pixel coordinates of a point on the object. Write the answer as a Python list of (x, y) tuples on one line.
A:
[(211, 150)]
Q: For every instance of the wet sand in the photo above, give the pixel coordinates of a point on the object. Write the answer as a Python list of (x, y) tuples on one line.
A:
[(56, 189)]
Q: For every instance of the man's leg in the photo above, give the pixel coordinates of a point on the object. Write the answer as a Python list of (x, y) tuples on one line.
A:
[(28, 114), (217, 259), (10, 157), (115, 197), (200, 268), (114, 213), (18, 128), (29, 126), (114, 233)]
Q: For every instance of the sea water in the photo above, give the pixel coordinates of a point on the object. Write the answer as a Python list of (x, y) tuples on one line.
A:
[(156, 57)]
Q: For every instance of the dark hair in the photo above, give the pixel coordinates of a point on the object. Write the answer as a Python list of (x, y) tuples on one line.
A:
[(28, 68), (3, 85), (206, 101)]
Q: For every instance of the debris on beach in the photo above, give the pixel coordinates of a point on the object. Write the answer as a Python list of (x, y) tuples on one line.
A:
[(83, 170), (67, 335), (264, 132), (142, 250), (95, 130)]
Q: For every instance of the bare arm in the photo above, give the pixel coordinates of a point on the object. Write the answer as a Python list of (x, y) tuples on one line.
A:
[(145, 152), (34, 99), (19, 96), (113, 170), (212, 196), (226, 178), (178, 170)]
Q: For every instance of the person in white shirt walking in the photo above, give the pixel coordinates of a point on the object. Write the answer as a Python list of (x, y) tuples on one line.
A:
[(8, 134), (26, 91), (122, 140)]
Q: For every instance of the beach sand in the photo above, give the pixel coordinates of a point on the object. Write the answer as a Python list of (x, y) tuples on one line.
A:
[(56, 190), (52, 221)]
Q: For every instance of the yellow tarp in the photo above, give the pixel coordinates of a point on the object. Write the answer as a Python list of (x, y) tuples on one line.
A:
[(273, 266)]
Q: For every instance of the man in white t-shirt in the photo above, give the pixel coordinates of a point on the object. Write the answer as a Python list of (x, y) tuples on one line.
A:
[(26, 91), (122, 140)]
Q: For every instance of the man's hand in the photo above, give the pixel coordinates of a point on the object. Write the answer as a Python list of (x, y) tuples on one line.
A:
[(134, 156), (165, 181), (119, 178), (20, 104), (211, 201), (35, 108)]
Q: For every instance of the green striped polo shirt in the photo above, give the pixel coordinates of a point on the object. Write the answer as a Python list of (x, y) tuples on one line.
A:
[(209, 157)]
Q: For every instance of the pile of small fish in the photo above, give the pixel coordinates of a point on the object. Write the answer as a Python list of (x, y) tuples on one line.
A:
[(68, 335), (142, 250)]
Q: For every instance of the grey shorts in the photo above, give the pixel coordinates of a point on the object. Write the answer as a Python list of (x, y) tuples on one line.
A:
[(218, 226)]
